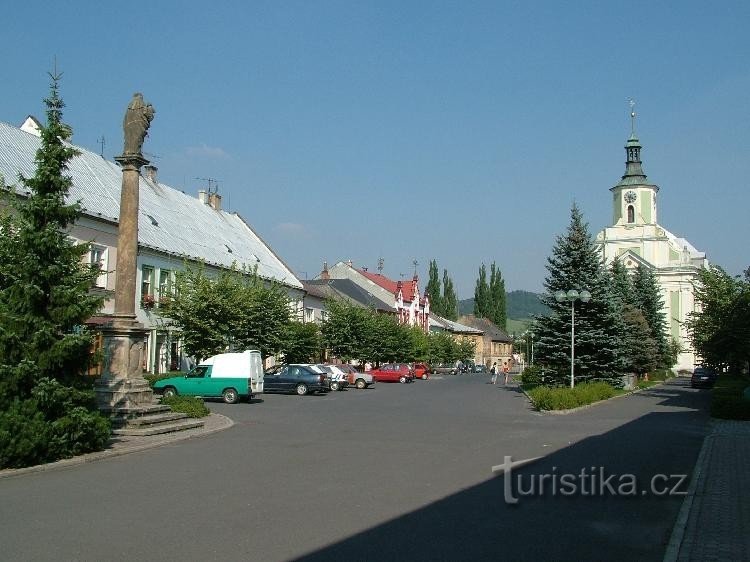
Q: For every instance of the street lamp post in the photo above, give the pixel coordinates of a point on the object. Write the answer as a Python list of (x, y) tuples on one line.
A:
[(572, 296)]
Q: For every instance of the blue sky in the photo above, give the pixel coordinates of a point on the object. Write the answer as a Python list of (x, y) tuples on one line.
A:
[(454, 131)]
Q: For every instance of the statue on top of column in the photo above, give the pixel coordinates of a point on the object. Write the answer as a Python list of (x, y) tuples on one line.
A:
[(137, 120)]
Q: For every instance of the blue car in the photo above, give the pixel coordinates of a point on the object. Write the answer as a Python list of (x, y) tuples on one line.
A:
[(301, 379)]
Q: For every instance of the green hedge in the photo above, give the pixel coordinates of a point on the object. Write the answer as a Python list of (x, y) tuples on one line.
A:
[(727, 400), (546, 398), (190, 405)]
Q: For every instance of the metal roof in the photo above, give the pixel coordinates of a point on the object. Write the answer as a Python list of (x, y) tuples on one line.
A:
[(169, 220)]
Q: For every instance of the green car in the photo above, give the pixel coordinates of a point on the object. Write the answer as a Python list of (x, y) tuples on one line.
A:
[(230, 376)]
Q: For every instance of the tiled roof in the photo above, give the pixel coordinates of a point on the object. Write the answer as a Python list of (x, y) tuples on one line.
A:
[(452, 326), (486, 326), (389, 284), (169, 220), (346, 288)]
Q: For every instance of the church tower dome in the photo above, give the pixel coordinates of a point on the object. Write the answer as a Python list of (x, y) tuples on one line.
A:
[(634, 198)]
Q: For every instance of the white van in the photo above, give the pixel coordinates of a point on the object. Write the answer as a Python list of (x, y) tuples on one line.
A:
[(230, 376)]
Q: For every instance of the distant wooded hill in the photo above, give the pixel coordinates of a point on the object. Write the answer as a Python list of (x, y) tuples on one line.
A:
[(519, 305)]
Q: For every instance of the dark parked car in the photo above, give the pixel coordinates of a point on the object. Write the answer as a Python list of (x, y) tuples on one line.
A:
[(479, 368), (703, 377), (301, 379)]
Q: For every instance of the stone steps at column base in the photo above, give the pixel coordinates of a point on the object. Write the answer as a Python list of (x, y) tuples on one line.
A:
[(159, 428)]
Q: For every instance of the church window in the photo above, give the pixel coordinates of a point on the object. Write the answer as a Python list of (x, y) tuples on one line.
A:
[(631, 214)]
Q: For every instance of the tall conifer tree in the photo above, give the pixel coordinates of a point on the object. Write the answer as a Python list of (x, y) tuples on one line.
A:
[(44, 304), (648, 299), (498, 313), (433, 289), (449, 300), (576, 263), (482, 295)]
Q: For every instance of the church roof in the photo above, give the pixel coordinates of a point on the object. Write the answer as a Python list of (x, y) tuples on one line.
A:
[(169, 220)]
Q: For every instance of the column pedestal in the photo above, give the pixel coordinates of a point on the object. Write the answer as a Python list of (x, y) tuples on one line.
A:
[(122, 387)]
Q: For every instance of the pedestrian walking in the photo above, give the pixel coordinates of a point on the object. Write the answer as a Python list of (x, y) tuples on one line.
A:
[(506, 372), (493, 371)]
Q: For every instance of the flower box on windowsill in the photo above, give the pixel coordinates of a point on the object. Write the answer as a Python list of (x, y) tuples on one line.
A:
[(148, 302)]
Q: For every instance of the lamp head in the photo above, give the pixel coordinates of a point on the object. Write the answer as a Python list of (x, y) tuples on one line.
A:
[(585, 296)]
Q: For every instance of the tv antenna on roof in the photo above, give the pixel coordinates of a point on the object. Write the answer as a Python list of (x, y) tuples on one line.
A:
[(100, 141), (416, 263), (213, 184), (381, 262)]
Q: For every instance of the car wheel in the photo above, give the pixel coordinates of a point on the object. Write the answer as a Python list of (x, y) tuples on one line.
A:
[(169, 392), (361, 384), (334, 386), (424, 377), (402, 379), (230, 396), (301, 389)]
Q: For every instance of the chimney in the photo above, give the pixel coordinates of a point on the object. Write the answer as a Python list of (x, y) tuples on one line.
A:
[(324, 275), (214, 201), (203, 196), (151, 172)]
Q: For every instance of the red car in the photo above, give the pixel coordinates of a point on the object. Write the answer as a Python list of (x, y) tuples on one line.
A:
[(421, 371), (393, 372)]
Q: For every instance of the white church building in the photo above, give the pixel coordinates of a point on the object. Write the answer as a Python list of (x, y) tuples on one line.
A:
[(637, 238)]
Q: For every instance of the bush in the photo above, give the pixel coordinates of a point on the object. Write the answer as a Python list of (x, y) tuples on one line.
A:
[(546, 398), (532, 376), (57, 422), (660, 374), (190, 405), (727, 399)]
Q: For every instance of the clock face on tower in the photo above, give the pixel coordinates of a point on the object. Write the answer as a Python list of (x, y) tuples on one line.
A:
[(630, 197)]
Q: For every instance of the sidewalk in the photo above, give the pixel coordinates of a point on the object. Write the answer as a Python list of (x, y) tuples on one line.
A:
[(122, 445), (714, 521)]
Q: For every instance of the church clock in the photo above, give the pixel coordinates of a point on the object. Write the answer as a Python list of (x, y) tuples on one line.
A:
[(630, 197)]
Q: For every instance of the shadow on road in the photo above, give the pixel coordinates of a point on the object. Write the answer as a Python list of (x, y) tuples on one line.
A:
[(478, 524)]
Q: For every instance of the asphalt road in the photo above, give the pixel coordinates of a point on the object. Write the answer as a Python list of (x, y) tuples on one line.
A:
[(394, 472)]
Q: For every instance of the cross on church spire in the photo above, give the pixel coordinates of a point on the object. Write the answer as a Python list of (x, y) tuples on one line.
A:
[(631, 101)]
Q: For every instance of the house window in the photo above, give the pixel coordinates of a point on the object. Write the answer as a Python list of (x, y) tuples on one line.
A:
[(631, 214), (147, 286), (165, 284), (324, 315), (309, 315), (98, 258)]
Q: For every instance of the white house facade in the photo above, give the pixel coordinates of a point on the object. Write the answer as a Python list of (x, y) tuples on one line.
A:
[(174, 228), (636, 238)]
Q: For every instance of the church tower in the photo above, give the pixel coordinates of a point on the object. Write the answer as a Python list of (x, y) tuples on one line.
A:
[(633, 198), (636, 239)]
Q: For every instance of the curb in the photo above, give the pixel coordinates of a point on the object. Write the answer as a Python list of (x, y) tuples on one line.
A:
[(678, 531), (223, 423)]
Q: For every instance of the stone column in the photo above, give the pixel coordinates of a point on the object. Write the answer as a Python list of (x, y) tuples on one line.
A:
[(122, 390)]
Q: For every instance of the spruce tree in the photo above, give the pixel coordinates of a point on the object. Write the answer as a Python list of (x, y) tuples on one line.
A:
[(449, 299), (577, 263), (648, 299), (433, 289), (44, 304), (498, 313)]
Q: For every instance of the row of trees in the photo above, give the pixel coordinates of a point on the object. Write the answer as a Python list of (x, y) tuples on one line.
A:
[(47, 406), (489, 297), (443, 302), (620, 330), (238, 310), (720, 333)]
